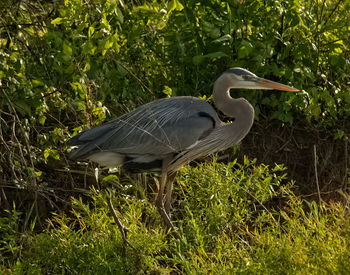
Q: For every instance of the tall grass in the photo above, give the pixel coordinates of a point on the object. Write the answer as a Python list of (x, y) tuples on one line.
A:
[(232, 219)]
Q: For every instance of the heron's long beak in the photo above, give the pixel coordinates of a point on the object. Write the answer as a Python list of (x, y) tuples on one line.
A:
[(262, 83)]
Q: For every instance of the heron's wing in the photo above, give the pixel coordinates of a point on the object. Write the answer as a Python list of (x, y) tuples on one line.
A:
[(155, 129)]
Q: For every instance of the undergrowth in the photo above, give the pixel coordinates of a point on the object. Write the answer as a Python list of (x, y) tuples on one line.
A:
[(235, 218)]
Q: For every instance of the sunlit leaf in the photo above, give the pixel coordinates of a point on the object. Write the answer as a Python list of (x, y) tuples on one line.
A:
[(37, 82), (51, 153), (91, 31), (175, 5), (42, 119), (87, 67), (110, 177), (167, 90), (57, 21)]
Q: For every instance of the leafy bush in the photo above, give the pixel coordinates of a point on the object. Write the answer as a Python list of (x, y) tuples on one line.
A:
[(62, 64), (226, 221), (10, 245)]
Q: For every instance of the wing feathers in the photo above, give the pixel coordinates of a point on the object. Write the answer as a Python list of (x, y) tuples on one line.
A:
[(158, 128)]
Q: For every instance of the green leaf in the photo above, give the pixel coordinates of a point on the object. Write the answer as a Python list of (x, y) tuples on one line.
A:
[(167, 90), (107, 44), (91, 31), (80, 105), (67, 49), (144, 8), (245, 49), (42, 119), (110, 178), (79, 88), (87, 67), (51, 153), (224, 38), (200, 58), (339, 134), (175, 5), (38, 174), (37, 82), (88, 47), (119, 15), (57, 21)]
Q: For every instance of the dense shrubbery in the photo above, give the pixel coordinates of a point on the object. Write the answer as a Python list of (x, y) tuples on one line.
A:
[(62, 63), (68, 65), (227, 222)]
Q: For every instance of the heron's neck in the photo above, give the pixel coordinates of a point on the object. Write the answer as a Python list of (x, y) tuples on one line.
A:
[(239, 108)]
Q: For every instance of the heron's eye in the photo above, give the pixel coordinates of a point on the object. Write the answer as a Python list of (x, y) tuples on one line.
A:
[(246, 77)]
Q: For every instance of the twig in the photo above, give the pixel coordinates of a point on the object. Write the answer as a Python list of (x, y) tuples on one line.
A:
[(73, 171), (263, 206), (324, 193), (345, 179), (123, 230), (316, 175), (133, 75)]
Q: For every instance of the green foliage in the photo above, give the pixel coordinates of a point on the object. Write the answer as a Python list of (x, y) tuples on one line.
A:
[(11, 239), (293, 41), (64, 62), (227, 225), (88, 242), (112, 50)]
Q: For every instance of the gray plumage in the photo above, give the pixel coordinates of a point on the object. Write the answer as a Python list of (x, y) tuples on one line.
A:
[(147, 133), (167, 133), (179, 128)]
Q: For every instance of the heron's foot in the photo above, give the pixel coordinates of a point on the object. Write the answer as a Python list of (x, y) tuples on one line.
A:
[(123, 230)]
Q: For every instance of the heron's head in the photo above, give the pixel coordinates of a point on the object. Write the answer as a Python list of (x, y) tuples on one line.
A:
[(243, 79)]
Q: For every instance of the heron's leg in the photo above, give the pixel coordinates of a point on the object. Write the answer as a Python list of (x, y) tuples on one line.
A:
[(163, 181), (161, 187), (160, 195), (168, 192), (160, 202)]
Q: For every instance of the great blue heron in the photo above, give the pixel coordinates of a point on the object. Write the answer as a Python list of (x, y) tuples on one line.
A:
[(165, 134)]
